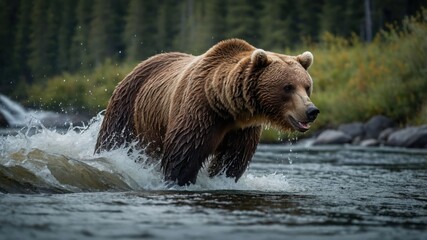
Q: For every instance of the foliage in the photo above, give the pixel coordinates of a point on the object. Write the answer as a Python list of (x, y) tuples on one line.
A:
[(354, 81), (85, 92)]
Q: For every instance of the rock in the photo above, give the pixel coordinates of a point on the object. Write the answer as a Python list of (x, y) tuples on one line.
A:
[(370, 143), (3, 122), (376, 125), (355, 129), (385, 134), (332, 137), (411, 137)]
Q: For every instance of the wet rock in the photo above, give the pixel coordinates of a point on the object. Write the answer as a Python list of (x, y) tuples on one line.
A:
[(376, 125), (3, 122), (332, 137), (411, 137), (355, 129), (385, 134), (370, 143)]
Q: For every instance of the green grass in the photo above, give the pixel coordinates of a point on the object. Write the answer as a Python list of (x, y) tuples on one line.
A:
[(353, 80)]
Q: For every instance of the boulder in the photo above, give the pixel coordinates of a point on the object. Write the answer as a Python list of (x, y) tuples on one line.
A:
[(332, 137), (355, 129), (376, 125), (411, 137)]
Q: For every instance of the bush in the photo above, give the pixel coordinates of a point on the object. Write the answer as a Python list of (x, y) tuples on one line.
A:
[(354, 81), (81, 92)]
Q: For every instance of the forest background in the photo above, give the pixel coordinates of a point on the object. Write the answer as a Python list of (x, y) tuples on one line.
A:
[(68, 55)]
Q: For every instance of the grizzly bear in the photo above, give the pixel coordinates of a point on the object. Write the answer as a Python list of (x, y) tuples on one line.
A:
[(190, 111)]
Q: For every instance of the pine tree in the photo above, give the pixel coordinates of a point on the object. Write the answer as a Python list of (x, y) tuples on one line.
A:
[(308, 19), (186, 26), (79, 56), (66, 30), (332, 16), (39, 59), (242, 21), (353, 17), (274, 32), (216, 16), (52, 33), (199, 33), (105, 36), (21, 50), (167, 25), (8, 10), (140, 29)]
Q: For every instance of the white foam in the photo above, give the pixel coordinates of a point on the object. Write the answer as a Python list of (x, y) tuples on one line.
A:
[(80, 145)]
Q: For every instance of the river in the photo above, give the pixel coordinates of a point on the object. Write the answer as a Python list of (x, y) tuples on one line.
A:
[(53, 187)]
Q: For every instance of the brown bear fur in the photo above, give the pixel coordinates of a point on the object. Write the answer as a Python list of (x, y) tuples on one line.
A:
[(184, 109)]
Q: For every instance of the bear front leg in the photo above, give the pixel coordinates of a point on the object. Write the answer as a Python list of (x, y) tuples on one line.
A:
[(188, 144), (235, 152)]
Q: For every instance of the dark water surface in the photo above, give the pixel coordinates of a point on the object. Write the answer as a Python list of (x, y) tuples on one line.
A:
[(61, 191)]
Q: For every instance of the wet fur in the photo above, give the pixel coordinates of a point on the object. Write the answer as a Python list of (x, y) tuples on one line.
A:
[(185, 109)]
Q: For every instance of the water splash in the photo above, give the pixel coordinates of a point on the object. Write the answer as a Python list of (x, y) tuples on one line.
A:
[(17, 116), (65, 162)]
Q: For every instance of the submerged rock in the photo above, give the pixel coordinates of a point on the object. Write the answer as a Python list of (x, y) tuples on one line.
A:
[(411, 137), (332, 137)]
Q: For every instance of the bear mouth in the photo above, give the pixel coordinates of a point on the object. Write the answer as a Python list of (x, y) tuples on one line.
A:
[(299, 126)]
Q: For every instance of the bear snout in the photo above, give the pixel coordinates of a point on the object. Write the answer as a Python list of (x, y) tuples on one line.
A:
[(312, 112)]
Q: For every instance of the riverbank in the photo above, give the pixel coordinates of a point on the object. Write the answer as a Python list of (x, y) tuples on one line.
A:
[(378, 131)]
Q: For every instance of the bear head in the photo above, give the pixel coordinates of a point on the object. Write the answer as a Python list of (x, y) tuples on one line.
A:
[(278, 89)]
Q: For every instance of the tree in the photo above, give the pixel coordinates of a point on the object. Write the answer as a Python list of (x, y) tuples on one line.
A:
[(40, 42), (21, 50), (353, 18), (308, 19), (79, 56), (242, 21), (106, 27), (186, 25), (66, 31), (279, 29), (167, 25), (211, 23), (331, 17), (8, 14), (140, 29)]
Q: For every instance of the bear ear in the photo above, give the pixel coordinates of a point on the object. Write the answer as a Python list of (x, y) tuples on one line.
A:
[(259, 58), (305, 59)]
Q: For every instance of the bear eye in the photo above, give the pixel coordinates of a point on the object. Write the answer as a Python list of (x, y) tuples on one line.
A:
[(307, 90), (288, 88)]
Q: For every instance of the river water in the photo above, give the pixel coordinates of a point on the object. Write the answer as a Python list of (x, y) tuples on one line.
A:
[(55, 188)]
